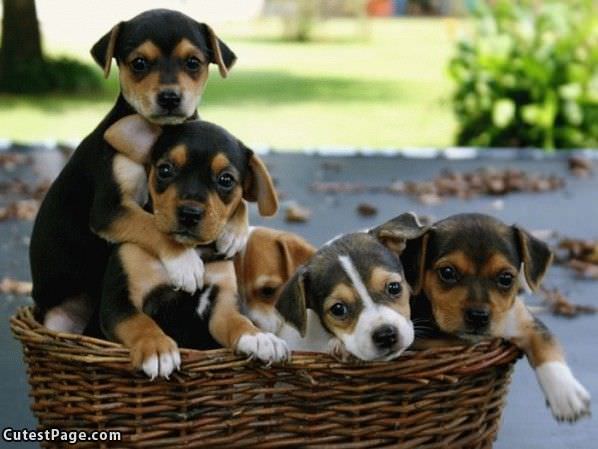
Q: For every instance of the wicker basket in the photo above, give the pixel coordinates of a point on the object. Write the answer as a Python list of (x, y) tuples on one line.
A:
[(441, 398)]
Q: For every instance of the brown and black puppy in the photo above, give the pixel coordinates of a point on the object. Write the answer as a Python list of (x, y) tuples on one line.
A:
[(465, 273), (268, 261), (163, 58), (198, 176), (356, 289)]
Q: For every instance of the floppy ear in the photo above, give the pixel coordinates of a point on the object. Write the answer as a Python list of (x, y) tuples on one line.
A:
[(134, 137), (103, 50), (295, 251), (218, 51), (536, 257), (259, 186), (413, 259), (292, 302), (395, 233)]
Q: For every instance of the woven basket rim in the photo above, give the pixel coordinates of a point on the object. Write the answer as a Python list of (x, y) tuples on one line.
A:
[(445, 363)]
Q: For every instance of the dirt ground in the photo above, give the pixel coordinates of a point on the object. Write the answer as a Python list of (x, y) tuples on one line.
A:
[(571, 211)]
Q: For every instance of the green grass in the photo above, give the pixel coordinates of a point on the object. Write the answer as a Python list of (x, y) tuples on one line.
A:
[(389, 90)]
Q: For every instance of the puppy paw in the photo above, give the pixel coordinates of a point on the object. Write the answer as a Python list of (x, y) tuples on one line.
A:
[(264, 346), (185, 270), (156, 355), (566, 397), (232, 240), (338, 351)]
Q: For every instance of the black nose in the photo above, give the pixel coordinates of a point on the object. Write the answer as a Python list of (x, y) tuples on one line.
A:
[(169, 99), (189, 215), (385, 337), (477, 318)]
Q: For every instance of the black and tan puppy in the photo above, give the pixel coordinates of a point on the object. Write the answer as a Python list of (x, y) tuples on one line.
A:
[(198, 176), (163, 58), (465, 273), (356, 288)]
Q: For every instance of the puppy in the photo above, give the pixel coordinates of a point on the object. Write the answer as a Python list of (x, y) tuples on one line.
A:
[(267, 262), (465, 273), (356, 288), (198, 175), (163, 58)]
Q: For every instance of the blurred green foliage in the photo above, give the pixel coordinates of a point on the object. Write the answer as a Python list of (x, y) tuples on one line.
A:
[(63, 74), (528, 77)]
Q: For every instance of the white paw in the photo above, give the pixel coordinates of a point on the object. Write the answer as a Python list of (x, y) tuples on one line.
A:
[(567, 398), (162, 365), (186, 271), (264, 346), (231, 241), (336, 349)]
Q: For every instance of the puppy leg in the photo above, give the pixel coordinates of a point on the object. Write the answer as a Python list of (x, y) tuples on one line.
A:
[(131, 274), (71, 315), (567, 398), (235, 233), (233, 330)]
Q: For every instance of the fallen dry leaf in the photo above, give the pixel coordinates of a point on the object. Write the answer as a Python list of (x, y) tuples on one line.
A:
[(297, 214), (14, 287), (9, 161), (559, 304), (584, 269), (580, 166), (466, 185), (20, 210), (367, 209), (18, 186), (583, 250)]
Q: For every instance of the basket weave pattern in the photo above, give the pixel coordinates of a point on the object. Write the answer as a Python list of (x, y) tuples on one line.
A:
[(437, 398)]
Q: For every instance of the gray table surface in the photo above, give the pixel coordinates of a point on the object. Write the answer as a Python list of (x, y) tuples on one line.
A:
[(573, 211)]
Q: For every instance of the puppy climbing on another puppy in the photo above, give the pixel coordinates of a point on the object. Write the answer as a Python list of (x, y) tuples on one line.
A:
[(465, 271), (358, 293), (163, 58), (199, 174)]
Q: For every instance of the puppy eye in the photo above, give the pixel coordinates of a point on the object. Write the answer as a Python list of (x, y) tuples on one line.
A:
[(267, 292), (193, 64), (448, 275), (339, 310), (139, 65), (505, 279), (394, 288), (226, 181), (165, 170)]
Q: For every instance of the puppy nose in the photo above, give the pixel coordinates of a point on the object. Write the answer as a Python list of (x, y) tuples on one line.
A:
[(169, 99), (189, 215), (385, 337), (477, 317)]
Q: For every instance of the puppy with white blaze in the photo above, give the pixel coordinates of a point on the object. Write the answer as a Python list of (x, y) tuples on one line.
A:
[(355, 288)]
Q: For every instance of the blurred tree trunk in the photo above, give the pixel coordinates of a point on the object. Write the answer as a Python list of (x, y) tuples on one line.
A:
[(21, 41)]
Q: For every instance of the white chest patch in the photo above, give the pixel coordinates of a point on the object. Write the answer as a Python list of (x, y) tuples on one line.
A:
[(204, 301)]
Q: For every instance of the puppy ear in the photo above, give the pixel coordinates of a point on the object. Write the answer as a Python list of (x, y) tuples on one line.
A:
[(413, 259), (535, 254), (103, 50), (218, 52), (395, 233), (259, 186), (134, 137), (292, 303), (295, 251)]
